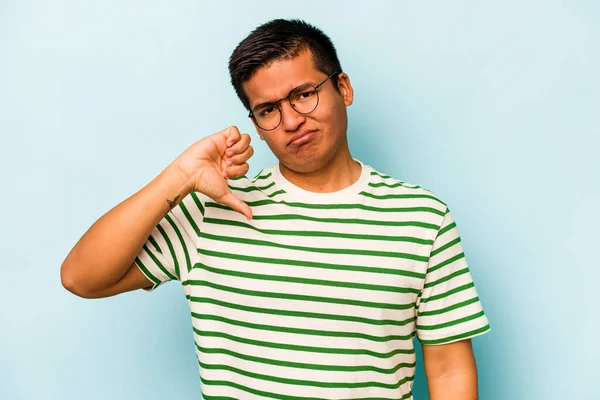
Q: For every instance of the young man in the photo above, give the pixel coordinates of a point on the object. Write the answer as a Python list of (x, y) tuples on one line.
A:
[(311, 279)]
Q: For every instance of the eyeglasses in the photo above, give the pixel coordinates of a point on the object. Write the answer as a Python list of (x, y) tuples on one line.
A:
[(304, 99)]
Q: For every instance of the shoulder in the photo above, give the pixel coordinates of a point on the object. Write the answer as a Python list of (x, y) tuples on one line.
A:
[(383, 186)]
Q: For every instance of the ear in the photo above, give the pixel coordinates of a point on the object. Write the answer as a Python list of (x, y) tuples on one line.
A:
[(345, 88)]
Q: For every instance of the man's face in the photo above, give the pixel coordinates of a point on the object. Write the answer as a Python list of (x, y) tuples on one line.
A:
[(302, 142)]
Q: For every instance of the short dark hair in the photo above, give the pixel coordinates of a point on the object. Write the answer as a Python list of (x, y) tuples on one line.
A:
[(276, 40)]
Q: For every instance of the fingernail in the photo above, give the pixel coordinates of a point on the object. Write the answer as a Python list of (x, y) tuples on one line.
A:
[(224, 174), (229, 153), (229, 163)]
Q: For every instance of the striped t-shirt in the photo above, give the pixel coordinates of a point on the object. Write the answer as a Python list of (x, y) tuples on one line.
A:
[(320, 295)]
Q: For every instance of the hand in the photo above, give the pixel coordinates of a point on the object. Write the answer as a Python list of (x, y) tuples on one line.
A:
[(209, 162)]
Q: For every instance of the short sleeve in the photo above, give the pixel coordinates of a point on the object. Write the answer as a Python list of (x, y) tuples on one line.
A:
[(171, 249), (448, 308)]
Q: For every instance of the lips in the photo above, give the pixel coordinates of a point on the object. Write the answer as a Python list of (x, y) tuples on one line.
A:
[(302, 137)]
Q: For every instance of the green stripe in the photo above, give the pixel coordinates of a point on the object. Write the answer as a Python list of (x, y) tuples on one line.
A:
[(448, 293), (303, 382), (301, 331), (401, 196), (198, 202), (300, 314), (294, 364), (393, 185), (154, 244), (324, 250), (449, 308), (380, 174), (320, 282), (189, 218), (461, 336), (170, 246), (445, 247), (207, 397), (241, 224), (265, 202), (252, 188), (188, 263), (257, 178), (444, 263), (286, 397), (146, 272), (276, 193), (257, 175), (447, 278), (451, 323), (446, 229), (281, 217), (397, 182), (158, 263), (237, 178), (309, 349), (300, 297)]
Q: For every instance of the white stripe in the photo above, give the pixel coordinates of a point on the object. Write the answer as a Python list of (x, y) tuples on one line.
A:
[(305, 357)]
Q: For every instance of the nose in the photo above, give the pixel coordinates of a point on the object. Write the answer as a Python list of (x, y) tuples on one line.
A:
[(290, 118)]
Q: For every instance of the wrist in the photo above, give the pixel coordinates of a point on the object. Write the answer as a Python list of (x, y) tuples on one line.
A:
[(175, 185)]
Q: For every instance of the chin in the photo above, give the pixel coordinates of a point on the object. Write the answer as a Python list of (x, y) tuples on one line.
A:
[(307, 162)]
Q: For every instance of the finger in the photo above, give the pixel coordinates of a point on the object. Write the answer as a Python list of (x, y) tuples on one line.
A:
[(241, 158), (240, 146), (236, 204), (220, 138), (232, 135), (236, 170)]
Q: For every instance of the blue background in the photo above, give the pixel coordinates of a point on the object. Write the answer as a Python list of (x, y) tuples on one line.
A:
[(493, 107)]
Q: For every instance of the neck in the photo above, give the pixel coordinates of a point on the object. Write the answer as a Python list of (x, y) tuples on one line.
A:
[(339, 173)]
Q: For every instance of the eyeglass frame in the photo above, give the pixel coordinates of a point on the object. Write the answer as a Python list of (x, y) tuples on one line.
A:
[(251, 114)]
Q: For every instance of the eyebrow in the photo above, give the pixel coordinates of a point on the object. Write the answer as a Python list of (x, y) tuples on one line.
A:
[(283, 98)]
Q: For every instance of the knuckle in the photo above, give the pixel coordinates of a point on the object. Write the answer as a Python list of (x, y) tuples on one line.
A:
[(232, 131)]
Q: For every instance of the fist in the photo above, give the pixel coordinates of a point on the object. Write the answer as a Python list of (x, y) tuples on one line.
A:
[(209, 162)]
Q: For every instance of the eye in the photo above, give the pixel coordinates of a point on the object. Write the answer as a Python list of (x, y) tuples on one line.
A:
[(304, 95), (266, 110)]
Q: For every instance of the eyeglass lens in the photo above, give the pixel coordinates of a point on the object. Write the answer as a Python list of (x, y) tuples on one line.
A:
[(304, 99)]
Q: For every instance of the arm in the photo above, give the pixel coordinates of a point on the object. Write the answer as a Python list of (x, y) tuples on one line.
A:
[(451, 371), (101, 263), (449, 314)]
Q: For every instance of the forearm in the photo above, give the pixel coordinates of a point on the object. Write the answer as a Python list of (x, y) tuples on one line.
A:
[(106, 251)]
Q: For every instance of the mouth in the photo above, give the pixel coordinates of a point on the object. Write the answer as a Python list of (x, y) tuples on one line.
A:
[(302, 138)]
